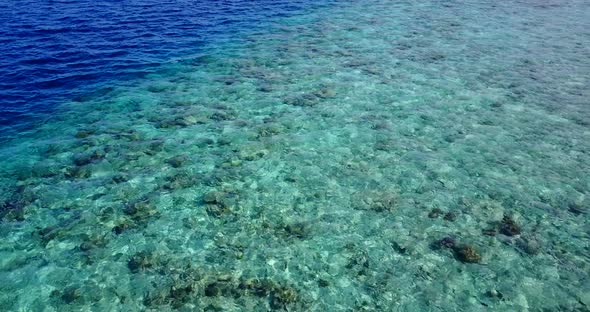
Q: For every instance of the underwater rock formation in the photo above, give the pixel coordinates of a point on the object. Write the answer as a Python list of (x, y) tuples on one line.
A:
[(462, 252), (435, 213), (309, 99), (140, 210), (509, 227), (218, 204), (179, 180), (142, 261), (88, 158), (467, 254), (188, 285), (178, 161), (299, 230), (446, 242), (11, 210)]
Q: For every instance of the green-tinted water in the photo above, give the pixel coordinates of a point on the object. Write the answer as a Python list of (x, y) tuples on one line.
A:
[(376, 156)]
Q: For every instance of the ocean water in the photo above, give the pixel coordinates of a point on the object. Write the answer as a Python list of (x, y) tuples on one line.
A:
[(330, 156), (54, 51)]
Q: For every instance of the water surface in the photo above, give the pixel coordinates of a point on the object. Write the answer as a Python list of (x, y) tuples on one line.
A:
[(362, 156)]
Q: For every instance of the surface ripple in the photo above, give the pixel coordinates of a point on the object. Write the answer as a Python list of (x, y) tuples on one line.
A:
[(57, 50)]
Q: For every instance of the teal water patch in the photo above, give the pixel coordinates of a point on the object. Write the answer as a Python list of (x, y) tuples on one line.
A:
[(376, 156)]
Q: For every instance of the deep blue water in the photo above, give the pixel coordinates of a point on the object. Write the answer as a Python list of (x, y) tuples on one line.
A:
[(60, 50)]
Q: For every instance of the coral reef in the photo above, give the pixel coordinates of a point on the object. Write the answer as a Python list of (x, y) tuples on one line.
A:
[(467, 254), (509, 227), (320, 163)]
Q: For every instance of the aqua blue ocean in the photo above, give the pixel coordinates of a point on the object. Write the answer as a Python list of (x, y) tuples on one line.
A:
[(288, 155)]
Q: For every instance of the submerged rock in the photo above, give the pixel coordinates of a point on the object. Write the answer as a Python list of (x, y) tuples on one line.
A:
[(309, 99), (217, 210), (211, 197), (302, 100), (141, 261), (82, 134), (178, 161), (50, 233), (529, 245), (163, 123), (297, 230), (283, 296), (252, 154), (12, 210), (264, 88), (44, 170), (71, 294), (399, 248), (492, 293), (204, 142), (153, 147), (186, 121), (187, 284), (222, 115), (450, 216), (183, 285), (92, 241), (280, 295), (180, 180), (120, 178), (577, 208), (140, 210), (509, 227), (212, 290), (223, 175), (269, 130), (88, 158), (219, 203), (122, 227), (467, 254), (358, 262), (435, 213), (446, 242), (386, 144), (187, 287), (77, 172), (180, 295), (324, 92), (489, 231), (464, 253)]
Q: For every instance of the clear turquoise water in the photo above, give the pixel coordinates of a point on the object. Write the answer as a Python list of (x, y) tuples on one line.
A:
[(371, 156)]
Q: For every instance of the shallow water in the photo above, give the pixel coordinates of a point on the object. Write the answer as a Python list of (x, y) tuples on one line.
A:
[(367, 156)]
